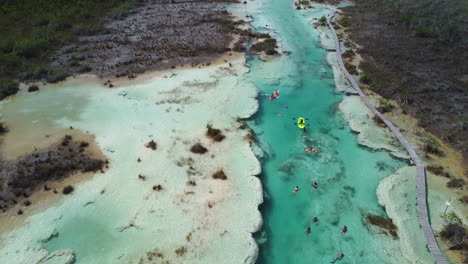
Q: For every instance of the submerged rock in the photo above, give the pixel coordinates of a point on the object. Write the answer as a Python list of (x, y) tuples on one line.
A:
[(33, 88), (68, 189), (214, 133), (198, 149), (152, 145), (220, 175)]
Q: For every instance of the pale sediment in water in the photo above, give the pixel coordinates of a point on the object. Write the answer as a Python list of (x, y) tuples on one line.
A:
[(119, 217), (397, 194), (370, 135)]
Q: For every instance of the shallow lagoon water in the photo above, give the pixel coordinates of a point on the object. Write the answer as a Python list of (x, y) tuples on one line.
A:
[(347, 174)]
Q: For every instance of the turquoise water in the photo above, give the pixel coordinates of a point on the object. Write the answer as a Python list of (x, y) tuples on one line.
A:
[(347, 174)]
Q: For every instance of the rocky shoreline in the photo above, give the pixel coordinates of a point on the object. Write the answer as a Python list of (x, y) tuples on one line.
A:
[(158, 35), (155, 35)]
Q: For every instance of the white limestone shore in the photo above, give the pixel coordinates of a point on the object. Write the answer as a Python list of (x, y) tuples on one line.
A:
[(117, 215)]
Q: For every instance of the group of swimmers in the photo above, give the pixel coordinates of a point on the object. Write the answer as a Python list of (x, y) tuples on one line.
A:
[(315, 220)]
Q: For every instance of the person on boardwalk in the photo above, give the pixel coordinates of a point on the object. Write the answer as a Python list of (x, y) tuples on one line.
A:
[(307, 230), (296, 189), (339, 257), (344, 229), (315, 220)]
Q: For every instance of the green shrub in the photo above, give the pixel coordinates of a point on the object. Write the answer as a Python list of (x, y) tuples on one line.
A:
[(365, 79), (456, 183), (344, 21), (384, 106), (323, 20), (423, 31), (432, 146), (8, 87), (30, 48), (7, 46), (351, 68)]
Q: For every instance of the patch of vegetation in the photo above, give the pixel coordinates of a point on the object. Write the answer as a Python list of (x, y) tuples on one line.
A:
[(385, 106), (152, 145), (214, 133), (157, 187), (323, 20), (32, 29), (365, 78), (464, 199), (348, 54), (151, 255), (181, 251), (198, 148), (428, 18), (378, 121), (344, 21), (7, 86), (251, 136), (33, 88), (455, 233), (437, 170), (220, 175), (351, 68), (268, 46), (191, 183), (432, 146), (456, 183), (384, 223), (68, 189)]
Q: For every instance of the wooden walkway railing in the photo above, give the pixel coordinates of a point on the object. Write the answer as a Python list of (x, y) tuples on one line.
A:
[(420, 169)]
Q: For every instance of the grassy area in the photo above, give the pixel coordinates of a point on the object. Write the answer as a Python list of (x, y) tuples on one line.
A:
[(30, 30)]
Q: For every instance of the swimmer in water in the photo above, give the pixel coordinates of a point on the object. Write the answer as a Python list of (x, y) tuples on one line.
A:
[(339, 257), (315, 185), (315, 220), (344, 229), (296, 189), (307, 230)]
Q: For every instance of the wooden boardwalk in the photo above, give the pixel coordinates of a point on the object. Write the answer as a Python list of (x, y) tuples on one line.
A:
[(420, 169)]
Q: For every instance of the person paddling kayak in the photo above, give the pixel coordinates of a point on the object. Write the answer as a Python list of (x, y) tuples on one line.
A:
[(274, 95)]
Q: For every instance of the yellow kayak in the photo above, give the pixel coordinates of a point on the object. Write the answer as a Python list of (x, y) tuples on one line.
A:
[(301, 123)]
